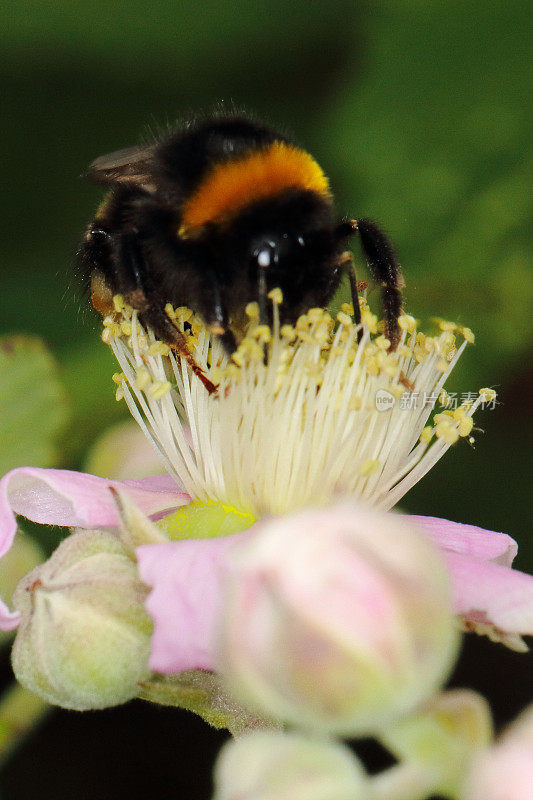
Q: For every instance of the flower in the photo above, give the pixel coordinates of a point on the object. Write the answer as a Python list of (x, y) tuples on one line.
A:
[(338, 620), (300, 430)]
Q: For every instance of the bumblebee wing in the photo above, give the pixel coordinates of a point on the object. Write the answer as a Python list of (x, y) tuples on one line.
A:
[(130, 165)]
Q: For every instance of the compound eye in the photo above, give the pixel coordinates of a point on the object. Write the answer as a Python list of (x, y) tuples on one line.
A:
[(266, 255)]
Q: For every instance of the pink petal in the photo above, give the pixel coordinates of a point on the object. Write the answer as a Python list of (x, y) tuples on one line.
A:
[(157, 483), (186, 577), (469, 540), (61, 497), (490, 594)]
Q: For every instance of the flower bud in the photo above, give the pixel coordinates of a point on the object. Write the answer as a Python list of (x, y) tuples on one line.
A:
[(84, 636), (287, 766), (441, 739), (505, 772), (337, 619)]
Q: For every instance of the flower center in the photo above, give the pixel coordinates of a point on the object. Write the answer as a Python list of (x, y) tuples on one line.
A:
[(303, 414), (205, 520)]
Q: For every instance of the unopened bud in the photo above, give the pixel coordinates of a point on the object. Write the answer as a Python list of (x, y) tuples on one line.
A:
[(84, 636), (505, 771), (287, 766), (337, 619), (441, 739)]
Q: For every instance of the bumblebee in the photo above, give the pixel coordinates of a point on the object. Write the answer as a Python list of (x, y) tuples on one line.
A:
[(216, 214)]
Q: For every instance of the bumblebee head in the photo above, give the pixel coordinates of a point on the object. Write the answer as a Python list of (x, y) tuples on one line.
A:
[(292, 242)]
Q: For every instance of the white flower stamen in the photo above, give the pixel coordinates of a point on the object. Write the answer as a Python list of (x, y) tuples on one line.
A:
[(321, 415)]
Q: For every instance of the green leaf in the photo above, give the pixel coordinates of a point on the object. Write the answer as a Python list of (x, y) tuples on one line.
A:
[(33, 404)]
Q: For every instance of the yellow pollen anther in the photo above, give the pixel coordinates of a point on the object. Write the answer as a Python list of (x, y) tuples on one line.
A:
[(382, 342), (158, 349), (369, 320), (118, 377), (444, 398), (407, 323), (347, 308), (142, 379), (321, 333), (427, 434), (238, 357), (276, 295), (444, 325), (315, 314), (288, 332), (118, 303), (372, 366), (159, 389), (169, 311), (184, 313), (468, 335), (465, 426), (344, 319), (261, 333), (252, 310), (446, 430), (487, 395)]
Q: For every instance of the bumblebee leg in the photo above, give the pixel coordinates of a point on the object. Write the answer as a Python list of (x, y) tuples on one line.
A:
[(386, 270), (152, 313), (165, 330), (346, 263)]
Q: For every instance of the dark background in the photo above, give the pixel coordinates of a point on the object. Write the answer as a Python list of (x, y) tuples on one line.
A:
[(420, 113)]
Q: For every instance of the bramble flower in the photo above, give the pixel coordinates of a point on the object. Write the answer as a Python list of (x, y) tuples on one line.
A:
[(303, 415)]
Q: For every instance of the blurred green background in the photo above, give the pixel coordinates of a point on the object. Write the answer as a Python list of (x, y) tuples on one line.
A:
[(420, 112)]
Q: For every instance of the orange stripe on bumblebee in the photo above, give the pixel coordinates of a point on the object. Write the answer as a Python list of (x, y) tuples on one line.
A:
[(233, 185)]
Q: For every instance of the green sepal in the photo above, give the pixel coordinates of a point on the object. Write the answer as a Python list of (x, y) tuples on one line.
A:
[(202, 693)]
